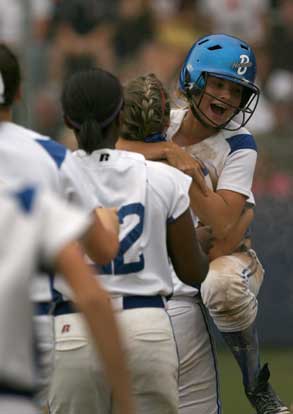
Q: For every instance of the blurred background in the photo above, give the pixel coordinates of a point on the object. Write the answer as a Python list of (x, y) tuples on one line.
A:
[(54, 38)]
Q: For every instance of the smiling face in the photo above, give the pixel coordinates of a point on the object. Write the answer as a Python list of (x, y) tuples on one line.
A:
[(219, 101)]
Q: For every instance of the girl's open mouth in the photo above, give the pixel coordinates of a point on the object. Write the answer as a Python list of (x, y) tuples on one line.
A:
[(218, 109)]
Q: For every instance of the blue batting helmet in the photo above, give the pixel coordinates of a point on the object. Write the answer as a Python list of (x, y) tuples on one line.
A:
[(222, 56)]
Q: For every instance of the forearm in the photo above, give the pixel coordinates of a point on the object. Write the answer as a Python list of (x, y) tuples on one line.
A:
[(189, 261), (214, 210), (151, 151), (101, 243), (234, 238)]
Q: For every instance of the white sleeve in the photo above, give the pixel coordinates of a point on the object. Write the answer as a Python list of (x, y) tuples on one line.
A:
[(60, 224), (237, 174), (172, 186), (76, 184)]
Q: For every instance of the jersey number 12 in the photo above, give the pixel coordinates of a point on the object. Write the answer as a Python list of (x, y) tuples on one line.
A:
[(118, 265)]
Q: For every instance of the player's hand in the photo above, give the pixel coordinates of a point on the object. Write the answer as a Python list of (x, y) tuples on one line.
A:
[(109, 218), (205, 237), (177, 157)]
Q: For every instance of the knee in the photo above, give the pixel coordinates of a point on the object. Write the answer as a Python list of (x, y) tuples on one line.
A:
[(219, 288), (226, 294)]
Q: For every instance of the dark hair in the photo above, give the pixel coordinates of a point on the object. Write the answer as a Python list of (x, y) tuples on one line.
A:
[(11, 75), (147, 108), (91, 102)]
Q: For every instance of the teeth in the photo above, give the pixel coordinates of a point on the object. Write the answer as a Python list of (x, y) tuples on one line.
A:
[(220, 105)]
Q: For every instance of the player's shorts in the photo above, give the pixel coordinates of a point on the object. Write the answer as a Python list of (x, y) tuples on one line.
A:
[(198, 375), (79, 385)]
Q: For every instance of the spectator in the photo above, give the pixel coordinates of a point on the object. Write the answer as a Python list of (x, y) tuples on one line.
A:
[(244, 19), (134, 28)]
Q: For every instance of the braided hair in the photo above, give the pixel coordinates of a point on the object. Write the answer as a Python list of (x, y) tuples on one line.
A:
[(91, 102), (146, 108)]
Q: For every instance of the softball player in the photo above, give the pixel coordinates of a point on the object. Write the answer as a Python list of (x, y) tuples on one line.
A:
[(28, 157), (148, 195), (38, 230), (217, 85)]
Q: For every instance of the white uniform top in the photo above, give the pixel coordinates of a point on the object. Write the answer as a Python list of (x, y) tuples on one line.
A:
[(147, 194), (30, 158), (230, 157), (34, 227)]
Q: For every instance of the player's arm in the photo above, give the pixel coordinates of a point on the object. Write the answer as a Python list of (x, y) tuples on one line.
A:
[(101, 240), (227, 245), (220, 209), (189, 261), (152, 151), (170, 152), (95, 304)]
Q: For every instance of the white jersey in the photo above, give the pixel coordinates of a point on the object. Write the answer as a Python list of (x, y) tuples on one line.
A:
[(230, 157), (34, 227), (30, 158), (147, 194)]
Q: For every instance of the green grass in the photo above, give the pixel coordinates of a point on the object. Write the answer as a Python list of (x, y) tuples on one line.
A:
[(281, 367)]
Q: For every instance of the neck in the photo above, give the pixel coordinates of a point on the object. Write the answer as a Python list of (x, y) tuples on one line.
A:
[(192, 131), (5, 115)]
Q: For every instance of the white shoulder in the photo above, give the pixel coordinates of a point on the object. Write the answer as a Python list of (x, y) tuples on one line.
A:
[(170, 184)]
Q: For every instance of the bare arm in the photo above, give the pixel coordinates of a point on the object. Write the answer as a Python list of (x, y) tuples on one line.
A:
[(227, 245), (189, 261), (101, 241), (220, 209), (95, 304), (151, 151), (170, 152)]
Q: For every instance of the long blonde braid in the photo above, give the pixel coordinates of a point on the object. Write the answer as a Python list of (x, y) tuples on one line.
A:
[(146, 109)]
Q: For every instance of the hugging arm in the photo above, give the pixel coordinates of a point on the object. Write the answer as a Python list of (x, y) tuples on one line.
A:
[(101, 241), (189, 261)]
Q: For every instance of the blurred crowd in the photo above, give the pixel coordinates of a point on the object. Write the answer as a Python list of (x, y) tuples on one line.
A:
[(129, 37)]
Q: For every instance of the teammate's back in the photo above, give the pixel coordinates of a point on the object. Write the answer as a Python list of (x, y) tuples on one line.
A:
[(153, 206)]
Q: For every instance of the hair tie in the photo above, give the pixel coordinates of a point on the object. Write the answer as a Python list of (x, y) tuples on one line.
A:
[(72, 123), (108, 121), (157, 137), (103, 124)]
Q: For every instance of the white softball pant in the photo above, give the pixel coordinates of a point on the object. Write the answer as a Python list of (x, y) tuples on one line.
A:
[(230, 290), (78, 384), (44, 326), (17, 405), (198, 377)]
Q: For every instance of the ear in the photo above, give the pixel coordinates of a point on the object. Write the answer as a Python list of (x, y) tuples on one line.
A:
[(69, 124), (18, 95), (119, 118), (66, 122)]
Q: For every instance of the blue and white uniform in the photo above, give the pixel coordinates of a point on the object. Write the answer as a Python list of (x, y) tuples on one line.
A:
[(233, 281), (30, 158), (147, 195), (35, 225)]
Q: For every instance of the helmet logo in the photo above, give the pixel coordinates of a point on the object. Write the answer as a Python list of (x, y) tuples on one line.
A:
[(243, 65)]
